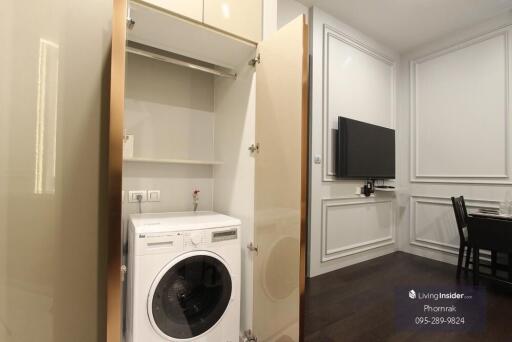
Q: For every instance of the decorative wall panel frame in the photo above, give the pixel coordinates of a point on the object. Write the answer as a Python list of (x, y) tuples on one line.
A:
[(363, 246), (441, 201), (329, 33), (415, 175)]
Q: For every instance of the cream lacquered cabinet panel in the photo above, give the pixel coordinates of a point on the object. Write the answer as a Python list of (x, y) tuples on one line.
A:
[(52, 169), (192, 9), (280, 181), (241, 18)]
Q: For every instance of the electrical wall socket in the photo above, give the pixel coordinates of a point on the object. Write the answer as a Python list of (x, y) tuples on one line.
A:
[(132, 195), (153, 195)]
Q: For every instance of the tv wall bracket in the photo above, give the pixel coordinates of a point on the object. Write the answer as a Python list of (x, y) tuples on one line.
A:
[(368, 188)]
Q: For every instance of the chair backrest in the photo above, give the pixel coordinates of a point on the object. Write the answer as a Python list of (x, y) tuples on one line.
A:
[(461, 216)]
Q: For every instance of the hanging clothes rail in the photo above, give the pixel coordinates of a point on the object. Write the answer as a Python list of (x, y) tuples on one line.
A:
[(177, 61)]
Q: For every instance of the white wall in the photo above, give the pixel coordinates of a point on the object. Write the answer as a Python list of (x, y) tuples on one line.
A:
[(269, 17), (234, 179), (175, 112), (352, 76), (287, 10), (170, 111), (454, 124)]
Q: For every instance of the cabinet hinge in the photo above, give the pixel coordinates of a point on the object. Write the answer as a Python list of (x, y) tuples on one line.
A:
[(123, 273), (130, 23), (254, 148), (256, 60), (249, 336), (252, 247)]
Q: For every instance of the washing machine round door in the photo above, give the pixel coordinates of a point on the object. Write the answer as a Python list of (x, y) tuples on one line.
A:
[(189, 296)]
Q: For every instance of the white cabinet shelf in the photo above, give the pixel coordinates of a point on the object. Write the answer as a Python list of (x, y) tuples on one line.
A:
[(172, 161), (385, 189), (161, 30)]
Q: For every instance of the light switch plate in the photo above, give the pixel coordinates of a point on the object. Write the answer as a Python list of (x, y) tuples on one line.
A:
[(132, 195), (153, 195)]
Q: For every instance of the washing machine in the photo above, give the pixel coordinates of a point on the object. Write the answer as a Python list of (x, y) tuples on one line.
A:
[(183, 277)]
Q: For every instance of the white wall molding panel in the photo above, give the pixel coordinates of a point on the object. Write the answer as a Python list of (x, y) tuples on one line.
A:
[(354, 73), (433, 225), (460, 101), (342, 219), (352, 76), (454, 125)]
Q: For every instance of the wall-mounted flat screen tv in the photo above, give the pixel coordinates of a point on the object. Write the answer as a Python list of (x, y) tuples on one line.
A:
[(364, 151)]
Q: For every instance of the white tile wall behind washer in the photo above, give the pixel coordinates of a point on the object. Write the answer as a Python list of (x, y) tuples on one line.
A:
[(183, 277)]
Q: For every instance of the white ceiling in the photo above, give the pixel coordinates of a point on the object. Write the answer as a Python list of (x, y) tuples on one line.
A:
[(406, 24)]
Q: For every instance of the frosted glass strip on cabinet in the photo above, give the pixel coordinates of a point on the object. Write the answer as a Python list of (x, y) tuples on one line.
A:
[(46, 120)]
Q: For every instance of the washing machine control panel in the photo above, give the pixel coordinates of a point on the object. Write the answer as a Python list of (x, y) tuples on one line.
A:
[(204, 238), (156, 243), (226, 234), (196, 238)]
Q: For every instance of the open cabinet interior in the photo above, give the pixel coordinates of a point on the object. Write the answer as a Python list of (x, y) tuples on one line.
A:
[(190, 131), (195, 140)]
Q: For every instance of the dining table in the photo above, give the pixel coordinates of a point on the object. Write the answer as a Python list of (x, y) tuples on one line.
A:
[(490, 231)]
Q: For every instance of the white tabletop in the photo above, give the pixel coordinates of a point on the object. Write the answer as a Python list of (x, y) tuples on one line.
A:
[(490, 215)]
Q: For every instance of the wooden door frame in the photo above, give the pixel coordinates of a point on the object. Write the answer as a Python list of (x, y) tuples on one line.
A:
[(115, 169)]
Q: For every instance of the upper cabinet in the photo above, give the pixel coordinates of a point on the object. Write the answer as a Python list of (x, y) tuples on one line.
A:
[(192, 9), (158, 29), (241, 18)]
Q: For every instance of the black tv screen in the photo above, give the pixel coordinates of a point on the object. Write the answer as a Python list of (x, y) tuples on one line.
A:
[(364, 151)]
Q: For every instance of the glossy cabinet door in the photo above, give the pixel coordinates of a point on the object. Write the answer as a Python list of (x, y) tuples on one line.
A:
[(280, 182), (53, 110), (240, 18), (192, 9)]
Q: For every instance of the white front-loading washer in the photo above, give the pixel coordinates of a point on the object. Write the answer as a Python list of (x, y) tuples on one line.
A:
[(183, 277)]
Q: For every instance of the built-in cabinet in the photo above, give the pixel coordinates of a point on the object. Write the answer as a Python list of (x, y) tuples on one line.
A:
[(213, 112), (240, 18), (192, 9)]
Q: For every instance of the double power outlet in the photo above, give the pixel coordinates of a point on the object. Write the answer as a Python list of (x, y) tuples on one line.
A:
[(146, 195)]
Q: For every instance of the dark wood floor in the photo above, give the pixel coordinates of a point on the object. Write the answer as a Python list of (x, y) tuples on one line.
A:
[(356, 303)]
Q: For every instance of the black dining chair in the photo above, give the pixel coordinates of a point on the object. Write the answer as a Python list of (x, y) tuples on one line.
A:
[(461, 215)]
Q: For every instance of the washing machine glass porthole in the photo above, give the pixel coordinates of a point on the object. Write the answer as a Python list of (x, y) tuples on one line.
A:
[(191, 297)]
